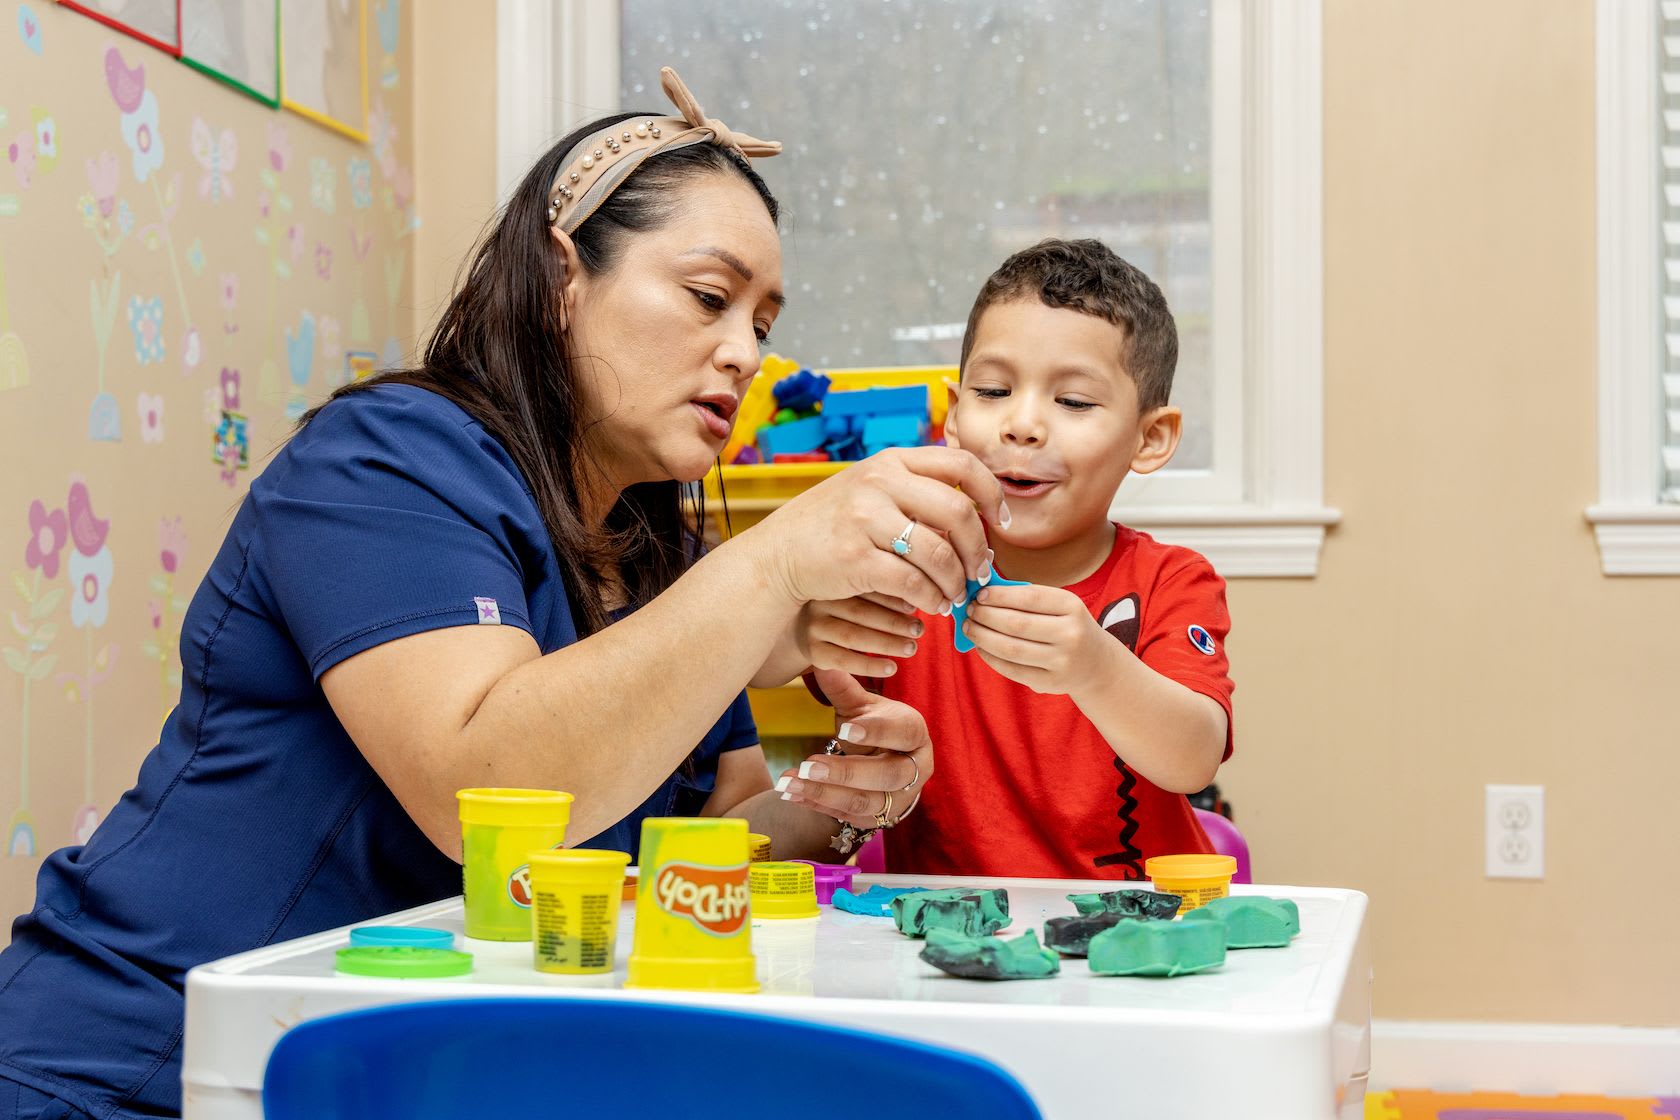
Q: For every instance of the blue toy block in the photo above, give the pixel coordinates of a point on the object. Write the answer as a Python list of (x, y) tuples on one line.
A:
[(800, 391), (875, 402), (839, 428), (897, 430), (959, 615), (791, 439)]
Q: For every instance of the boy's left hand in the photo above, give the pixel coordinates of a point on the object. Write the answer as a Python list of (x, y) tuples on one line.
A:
[(1042, 637)]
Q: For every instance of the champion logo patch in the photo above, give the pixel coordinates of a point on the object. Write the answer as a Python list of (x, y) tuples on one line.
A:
[(489, 614), (1201, 639)]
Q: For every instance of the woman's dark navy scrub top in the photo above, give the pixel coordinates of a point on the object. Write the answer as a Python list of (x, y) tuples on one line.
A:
[(255, 819)]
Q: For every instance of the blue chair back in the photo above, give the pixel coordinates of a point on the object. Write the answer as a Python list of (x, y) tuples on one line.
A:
[(600, 1059)]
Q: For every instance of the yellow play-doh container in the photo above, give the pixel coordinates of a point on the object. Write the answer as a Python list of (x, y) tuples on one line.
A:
[(693, 907), (500, 828), (758, 847), (783, 890), (1196, 878), (576, 896)]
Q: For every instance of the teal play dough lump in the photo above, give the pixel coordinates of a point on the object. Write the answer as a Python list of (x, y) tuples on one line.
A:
[(970, 911), (1131, 903), (990, 958), (1251, 922), (1158, 948), (1071, 937), (876, 902)]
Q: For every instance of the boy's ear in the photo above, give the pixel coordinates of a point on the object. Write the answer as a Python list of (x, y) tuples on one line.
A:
[(952, 394), (1159, 430), (572, 268)]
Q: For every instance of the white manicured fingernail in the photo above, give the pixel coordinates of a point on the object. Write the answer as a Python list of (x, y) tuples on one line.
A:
[(945, 609), (813, 770), (986, 569), (1004, 517), (961, 601), (782, 783), (850, 732)]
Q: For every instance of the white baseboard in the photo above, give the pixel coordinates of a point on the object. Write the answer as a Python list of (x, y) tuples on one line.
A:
[(1536, 1058)]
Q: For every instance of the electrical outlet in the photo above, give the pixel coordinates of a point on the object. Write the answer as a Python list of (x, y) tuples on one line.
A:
[(1516, 820)]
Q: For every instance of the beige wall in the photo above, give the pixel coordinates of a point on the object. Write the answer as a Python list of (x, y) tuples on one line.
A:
[(1460, 632), (455, 145), (321, 268)]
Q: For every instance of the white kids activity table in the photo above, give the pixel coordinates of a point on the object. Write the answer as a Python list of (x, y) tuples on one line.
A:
[(1274, 1033)]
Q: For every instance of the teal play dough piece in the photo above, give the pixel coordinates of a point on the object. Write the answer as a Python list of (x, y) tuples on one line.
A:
[(1158, 948), (1251, 922), (959, 615), (990, 958), (1131, 903), (1071, 937), (876, 902), (971, 911)]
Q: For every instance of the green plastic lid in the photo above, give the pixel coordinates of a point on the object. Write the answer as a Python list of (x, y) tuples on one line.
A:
[(403, 962)]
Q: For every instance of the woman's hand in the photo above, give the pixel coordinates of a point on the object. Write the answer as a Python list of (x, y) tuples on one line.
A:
[(858, 635), (835, 540), (888, 759)]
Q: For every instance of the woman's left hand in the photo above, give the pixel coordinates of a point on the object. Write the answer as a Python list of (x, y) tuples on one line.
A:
[(889, 757)]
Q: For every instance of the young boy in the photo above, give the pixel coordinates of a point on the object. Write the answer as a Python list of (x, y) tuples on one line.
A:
[(1098, 697)]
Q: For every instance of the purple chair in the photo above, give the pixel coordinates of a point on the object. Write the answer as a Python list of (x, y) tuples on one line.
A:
[(1227, 841), (872, 857)]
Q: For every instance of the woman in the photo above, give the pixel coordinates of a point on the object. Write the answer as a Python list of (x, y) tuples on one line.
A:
[(480, 572)]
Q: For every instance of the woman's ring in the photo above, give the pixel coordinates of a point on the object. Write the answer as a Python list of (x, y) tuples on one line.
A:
[(883, 818), (901, 543), (911, 784)]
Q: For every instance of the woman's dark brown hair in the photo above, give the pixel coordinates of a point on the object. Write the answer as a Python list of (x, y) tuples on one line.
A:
[(499, 352)]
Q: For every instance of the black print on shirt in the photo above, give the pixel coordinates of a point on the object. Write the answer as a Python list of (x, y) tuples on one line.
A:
[(1128, 857), (1120, 618)]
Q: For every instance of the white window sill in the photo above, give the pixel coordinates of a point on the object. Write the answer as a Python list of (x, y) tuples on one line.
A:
[(1241, 542), (1637, 540)]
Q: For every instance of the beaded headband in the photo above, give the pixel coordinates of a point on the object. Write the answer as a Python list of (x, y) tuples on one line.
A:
[(595, 167)]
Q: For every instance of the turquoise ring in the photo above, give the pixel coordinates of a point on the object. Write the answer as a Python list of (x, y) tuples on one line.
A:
[(901, 543)]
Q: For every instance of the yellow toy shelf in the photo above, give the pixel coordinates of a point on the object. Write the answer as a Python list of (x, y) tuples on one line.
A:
[(753, 492)]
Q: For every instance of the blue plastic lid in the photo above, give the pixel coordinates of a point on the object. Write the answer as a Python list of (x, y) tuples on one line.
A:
[(413, 937)]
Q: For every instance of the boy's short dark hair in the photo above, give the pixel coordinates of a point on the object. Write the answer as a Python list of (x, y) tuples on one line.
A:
[(1087, 276)]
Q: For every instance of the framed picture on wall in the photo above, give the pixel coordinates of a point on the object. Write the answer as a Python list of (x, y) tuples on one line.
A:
[(235, 41), (323, 62), (155, 22)]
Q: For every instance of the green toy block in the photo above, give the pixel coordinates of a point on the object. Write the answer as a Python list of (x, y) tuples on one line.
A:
[(1158, 948), (1251, 922), (971, 911), (990, 958), (1071, 937), (1131, 903)]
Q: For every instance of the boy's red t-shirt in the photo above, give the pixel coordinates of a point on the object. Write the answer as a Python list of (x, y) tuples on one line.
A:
[(1025, 785)]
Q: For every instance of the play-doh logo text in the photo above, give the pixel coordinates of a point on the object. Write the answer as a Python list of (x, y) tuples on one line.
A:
[(713, 898)]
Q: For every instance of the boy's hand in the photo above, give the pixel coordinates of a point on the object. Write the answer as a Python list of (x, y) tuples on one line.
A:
[(857, 635), (1042, 637), (888, 758)]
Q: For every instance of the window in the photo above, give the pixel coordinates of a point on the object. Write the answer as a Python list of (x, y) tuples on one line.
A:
[(927, 139), (1637, 517)]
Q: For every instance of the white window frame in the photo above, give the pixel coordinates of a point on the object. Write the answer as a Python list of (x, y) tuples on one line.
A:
[(1268, 96), (1637, 533)]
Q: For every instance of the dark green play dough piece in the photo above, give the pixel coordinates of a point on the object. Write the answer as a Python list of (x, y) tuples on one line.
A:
[(990, 958), (1071, 937), (1131, 903), (970, 911), (1158, 948), (1251, 922)]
